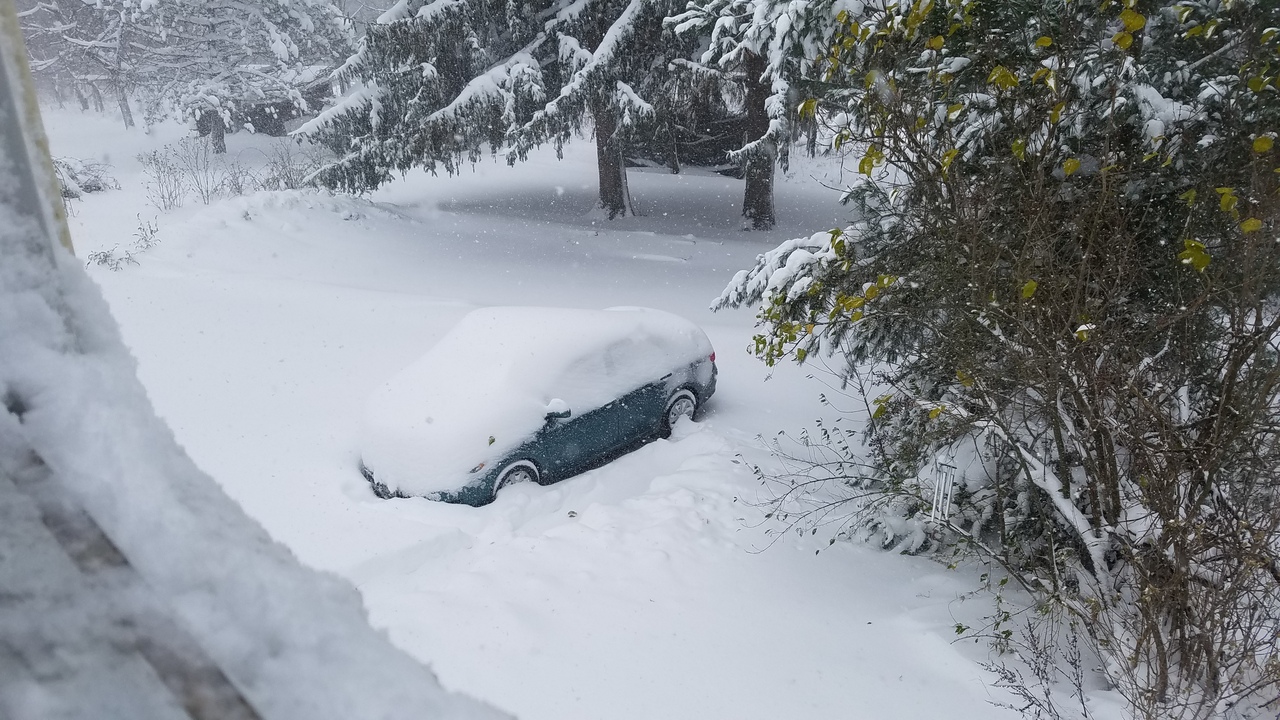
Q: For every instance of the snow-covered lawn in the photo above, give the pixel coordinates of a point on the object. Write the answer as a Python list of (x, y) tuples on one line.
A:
[(647, 589)]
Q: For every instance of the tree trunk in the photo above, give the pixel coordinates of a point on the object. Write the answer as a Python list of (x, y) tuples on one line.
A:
[(614, 197), (97, 99), (217, 131), (117, 74), (757, 201), (123, 99)]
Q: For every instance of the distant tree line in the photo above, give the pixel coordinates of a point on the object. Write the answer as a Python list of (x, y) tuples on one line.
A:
[(436, 83), (658, 82), (214, 60)]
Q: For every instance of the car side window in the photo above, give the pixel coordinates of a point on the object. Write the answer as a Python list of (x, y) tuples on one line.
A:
[(584, 384), (595, 380), (633, 363)]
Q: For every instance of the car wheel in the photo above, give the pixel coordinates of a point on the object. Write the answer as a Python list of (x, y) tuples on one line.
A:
[(519, 471), (682, 404)]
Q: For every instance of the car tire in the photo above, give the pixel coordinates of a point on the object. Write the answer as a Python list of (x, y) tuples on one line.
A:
[(517, 472), (682, 403)]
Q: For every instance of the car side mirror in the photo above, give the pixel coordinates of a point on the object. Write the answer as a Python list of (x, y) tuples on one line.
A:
[(557, 409)]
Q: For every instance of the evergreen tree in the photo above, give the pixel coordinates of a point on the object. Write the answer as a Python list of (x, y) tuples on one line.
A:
[(1066, 276), (765, 49), (612, 54), (697, 121), (440, 82), (436, 82)]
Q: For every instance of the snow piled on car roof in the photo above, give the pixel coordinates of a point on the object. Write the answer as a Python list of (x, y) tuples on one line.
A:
[(426, 428)]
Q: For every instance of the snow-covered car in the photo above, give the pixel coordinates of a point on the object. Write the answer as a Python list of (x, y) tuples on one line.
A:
[(516, 394)]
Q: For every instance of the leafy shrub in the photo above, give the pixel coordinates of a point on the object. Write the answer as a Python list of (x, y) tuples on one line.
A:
[(1064, 282), (77, 177), (289, 167), (203, 172), (166, 184), (145, 237)]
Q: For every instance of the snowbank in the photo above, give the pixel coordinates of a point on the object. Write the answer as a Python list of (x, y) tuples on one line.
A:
[(293, 641)]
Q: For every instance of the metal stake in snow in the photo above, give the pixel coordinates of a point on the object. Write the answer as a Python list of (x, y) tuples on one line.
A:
[(944, 483)]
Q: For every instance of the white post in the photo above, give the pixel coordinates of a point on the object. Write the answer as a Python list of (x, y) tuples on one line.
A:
[(23, 143)]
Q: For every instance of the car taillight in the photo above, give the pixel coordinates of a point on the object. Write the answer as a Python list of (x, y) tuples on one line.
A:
[(713, 356)]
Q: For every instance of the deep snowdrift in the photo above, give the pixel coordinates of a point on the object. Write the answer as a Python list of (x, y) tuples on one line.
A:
[(77, 433)]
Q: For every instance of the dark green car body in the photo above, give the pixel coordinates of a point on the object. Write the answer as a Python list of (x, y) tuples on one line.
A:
[(568, 446)]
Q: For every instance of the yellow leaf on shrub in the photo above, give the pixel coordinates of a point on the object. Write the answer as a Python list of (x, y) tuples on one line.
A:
[(1227, 200), (1122, 40), (1132, 21), (1002, 78), (1194, 255), (1251, 225), (1029, 289), (947, 158), (1044, 41), (1263, 144), (1070, 167)]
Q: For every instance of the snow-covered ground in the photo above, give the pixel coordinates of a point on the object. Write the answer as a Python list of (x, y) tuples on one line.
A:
[(648, 589)]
